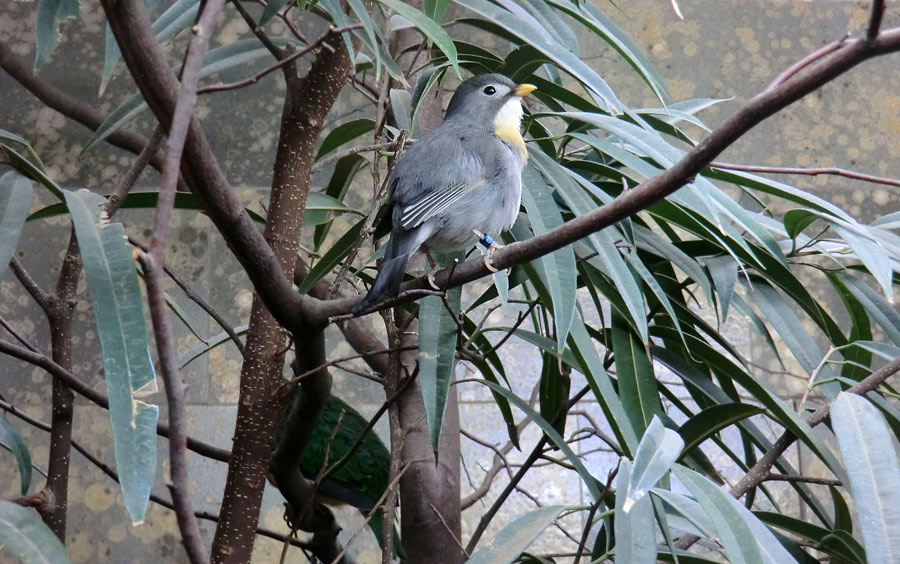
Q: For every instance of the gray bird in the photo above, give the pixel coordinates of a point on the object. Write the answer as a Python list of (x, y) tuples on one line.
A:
[(460, 183)]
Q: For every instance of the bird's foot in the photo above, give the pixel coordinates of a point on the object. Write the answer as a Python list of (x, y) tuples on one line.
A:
[(486, 241), (431, 281)]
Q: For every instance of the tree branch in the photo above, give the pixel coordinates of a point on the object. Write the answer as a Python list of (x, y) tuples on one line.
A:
[(78, 385), (808, 172), (70, 107), (153, 276), (757, 109)]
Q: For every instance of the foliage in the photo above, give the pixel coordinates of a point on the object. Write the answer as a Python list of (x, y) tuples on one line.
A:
[(649, 293)]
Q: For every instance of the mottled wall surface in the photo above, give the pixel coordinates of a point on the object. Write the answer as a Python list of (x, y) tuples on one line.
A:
[(723, 49)]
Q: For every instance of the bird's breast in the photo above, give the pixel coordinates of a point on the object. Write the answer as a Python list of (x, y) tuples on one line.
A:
[(511, 136)]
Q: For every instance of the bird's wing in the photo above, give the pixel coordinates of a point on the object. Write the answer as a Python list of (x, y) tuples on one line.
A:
[(434, 203), (435, 173)]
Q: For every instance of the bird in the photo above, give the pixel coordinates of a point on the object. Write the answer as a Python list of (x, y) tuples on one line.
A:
[(458, 185), (363, 478)]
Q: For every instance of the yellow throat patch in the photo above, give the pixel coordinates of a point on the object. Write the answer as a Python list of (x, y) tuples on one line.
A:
[(507, 126)]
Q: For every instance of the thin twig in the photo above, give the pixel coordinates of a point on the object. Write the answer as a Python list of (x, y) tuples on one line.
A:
[(153, 272), (286, 60), (194, 297), (770, 477), (808, 60), (875, 17), (124, 186), (808, 172), (33, 288), (391, 487), (385, 146)]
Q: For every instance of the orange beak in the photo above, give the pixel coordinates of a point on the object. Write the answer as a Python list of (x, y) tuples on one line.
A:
[(524, 89)]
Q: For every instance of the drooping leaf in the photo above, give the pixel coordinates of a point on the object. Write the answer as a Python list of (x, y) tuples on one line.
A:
[(31, 170), (50, 13), (438, 335), (591, 366), (12, 439), (216, 60), (333, 257), (558, 266), (589, 481), (26, 538), (15, 199), (713, 419), (801, 344), (509, 543), (655, 455), (603, 26), (344, 133), (112, 53), (128, 370), (634, 526), (872, 467), (566, 60), (745, 539), (637, 382), (428, 27), (211, 343)]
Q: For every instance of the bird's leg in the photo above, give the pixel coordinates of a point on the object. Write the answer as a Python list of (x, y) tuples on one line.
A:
[(486, 241), (431, 268)]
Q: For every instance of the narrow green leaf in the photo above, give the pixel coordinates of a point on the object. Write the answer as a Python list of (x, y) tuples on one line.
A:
[(15, 199), (589, 481), (744, 537), (655, 455), (712, 420), (513, 539), (596, 21), (112, 53), (634, 526), (559, 266), (50, 13), (435, 9), (814, 535), (344, 133), (215, 61), (724, 273), (637, 382), (801, 344), (590, 364), (333, 257), (437, 352), (272, 8), (11, 437), (428, 27), (25, 536), (128, 370), (201, 349), (871, 461), (31, 170), (553, 391), (9, 136), (873, 255), (879, 309), (567, 61), (603, 242)]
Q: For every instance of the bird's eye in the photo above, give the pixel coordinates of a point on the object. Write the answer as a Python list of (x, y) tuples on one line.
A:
[(489, 90)]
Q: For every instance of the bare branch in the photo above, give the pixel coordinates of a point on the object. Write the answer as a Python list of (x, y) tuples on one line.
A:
[(285, 61), (808, 172), (875, 17), (68, 106)]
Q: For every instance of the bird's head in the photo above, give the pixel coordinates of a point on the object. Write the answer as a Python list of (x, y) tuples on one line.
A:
[(489, 99)]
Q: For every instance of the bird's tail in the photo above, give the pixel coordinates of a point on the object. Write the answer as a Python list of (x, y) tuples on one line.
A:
[(390, 275)]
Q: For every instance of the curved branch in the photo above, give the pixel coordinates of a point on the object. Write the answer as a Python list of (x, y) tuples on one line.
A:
[(757, 109)]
